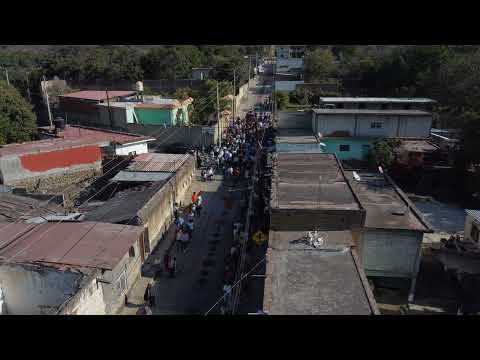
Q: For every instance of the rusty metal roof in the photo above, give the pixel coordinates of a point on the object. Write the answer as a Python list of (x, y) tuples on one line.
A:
[(87, 244), (97, 95), (44, 146), (158, 162)]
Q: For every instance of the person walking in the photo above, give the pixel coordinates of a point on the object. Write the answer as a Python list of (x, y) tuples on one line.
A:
[(148, 295), (185, 239), (178, 240), (199, 203), (190, 225), (166, 262), (194, 197), (173, 267)]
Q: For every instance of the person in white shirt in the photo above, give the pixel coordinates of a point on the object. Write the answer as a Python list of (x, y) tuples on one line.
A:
[(185, 240)]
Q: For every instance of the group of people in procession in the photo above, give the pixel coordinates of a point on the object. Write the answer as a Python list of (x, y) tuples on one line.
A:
[(234, 158)]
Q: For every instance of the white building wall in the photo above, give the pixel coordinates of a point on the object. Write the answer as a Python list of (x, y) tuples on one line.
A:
[(407, 126), (364, 126), (31, 290), (138, 148), (327, 124), (415, 126), (88, 301)]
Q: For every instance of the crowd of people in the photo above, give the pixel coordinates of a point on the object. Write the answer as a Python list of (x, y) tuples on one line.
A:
[(235, 159)]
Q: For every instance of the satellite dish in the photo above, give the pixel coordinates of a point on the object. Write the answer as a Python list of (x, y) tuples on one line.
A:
[(356, 176), (380, 169), (323, 144)]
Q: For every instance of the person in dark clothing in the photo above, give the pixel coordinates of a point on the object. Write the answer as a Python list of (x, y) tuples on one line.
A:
[(147, 297), (172, 267)]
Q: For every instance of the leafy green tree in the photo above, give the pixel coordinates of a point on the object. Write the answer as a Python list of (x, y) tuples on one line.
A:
[(281, 99), (320, 64), (382, 153), (17, 121)]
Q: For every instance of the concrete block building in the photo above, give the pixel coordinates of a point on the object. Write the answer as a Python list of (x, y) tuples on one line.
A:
[(349, 126), (49, 161), (321, 277), (122, 108), (83, 268), (390, 243), (111, 142)]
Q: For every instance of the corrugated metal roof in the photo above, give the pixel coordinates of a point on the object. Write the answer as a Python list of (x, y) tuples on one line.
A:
[(98, 95), (117, 137), (376, 99), (158, 162), (44, 146), (474, 213), (142, 176), (87, 244), (371, 112)]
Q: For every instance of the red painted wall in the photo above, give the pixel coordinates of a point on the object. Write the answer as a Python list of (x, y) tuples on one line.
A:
[(60, 159)]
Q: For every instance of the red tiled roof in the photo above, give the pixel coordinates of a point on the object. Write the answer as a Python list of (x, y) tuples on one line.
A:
[(85, 244), (98, 95), (117, 137)]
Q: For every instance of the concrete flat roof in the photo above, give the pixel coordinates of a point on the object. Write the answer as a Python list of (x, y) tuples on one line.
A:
[(386, 205), (421, 146), (295, 136), (302, 280), (391, 112), (376, 100), (310, 180)]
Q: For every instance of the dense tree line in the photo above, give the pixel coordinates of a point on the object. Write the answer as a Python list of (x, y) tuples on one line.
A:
[(80, 64), (448, 74)]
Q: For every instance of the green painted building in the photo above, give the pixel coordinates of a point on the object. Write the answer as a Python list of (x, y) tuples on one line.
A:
[(170, 112)]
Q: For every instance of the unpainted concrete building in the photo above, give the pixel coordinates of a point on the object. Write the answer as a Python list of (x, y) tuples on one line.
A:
[(328, 279), (81, 268), (310, 191), (390, 243)]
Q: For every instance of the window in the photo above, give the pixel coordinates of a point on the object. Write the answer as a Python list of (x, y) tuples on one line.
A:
[(131, 251), (474, 233), (344, 148), (385, 106), (407, 107), (376, 125), (362, 106), (340, 106), (121, 283)]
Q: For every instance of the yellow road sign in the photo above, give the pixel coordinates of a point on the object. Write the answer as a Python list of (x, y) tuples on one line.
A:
[(259, 237)]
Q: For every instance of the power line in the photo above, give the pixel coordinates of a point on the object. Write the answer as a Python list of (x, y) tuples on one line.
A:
[(234, 285)]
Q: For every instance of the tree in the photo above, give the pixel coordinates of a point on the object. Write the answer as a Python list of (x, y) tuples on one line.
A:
[(382, 153), (17, 121), (281, 99), (320, 64)]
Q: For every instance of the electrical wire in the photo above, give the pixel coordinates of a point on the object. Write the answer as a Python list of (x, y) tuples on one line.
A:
[(234, 285)]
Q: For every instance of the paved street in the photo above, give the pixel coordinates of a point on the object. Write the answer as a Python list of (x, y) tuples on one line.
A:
[(198, 283)]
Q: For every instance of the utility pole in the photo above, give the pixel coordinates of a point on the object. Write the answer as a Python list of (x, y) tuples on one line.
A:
[(48, 101), (234, 94), (218, 120), (109, 110), (28, 90), (6, 76)]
